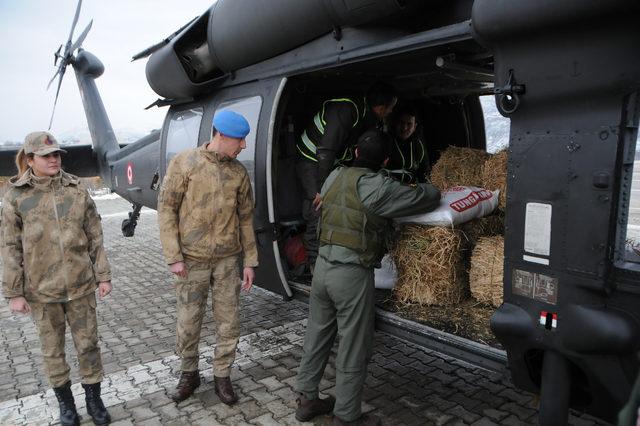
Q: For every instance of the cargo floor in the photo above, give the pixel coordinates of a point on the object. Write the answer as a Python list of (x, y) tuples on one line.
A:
[(469, 319)]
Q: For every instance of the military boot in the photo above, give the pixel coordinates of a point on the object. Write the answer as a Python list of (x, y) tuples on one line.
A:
[(224, 390), (189, 381), (95, 406), (308, 409), (364, 420), (68, 413)]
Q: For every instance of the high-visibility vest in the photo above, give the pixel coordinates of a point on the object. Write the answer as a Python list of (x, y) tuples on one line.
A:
[(308, 142), (406, 172), (345, 222)]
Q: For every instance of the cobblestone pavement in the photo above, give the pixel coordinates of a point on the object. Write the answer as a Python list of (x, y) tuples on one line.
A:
[(406, 384)]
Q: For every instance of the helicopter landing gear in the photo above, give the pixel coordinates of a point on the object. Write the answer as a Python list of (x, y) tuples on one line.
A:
[(555, 390), (128, 226)]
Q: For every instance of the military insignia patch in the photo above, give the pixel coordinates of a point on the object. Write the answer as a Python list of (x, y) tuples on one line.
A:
[(47, 141)]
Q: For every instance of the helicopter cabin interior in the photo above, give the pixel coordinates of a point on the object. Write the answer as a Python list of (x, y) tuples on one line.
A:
[(443, 84), (444, 87)]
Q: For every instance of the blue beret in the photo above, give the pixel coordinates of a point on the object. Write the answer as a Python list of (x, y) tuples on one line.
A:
[(231, 124)]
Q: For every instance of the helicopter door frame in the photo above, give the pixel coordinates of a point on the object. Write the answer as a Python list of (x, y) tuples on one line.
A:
[(269, 181)]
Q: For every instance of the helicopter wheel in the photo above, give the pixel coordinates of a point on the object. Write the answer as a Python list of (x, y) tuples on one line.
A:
[(128, 227)]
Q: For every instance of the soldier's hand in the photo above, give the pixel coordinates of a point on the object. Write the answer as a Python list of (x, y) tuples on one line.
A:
[(317, 202), (180, 269), (104, 288), (19, 305), (248, 275)]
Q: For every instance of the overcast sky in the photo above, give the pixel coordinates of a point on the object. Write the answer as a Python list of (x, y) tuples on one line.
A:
[(32, 30)]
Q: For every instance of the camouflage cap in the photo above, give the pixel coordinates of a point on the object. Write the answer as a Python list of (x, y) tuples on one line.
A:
[(41, 143)]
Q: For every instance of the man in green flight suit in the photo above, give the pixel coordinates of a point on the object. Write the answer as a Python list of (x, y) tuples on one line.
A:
[(357, 204)]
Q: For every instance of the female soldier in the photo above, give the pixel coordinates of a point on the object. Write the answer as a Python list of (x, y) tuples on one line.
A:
[(53, 258)]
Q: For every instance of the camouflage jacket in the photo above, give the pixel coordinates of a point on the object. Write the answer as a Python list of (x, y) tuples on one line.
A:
[(205, 209), (51, 240)]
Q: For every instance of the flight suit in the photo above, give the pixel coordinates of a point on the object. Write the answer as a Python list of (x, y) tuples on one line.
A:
[(357, 206), (205, 213), (327, 140), (630, 413), (54, 257), (409, 160)]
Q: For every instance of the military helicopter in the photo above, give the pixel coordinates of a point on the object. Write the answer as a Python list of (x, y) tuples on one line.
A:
[(566, 74)]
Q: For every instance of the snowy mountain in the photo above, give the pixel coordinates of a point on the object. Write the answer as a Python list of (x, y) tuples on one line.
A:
[(81, 135)]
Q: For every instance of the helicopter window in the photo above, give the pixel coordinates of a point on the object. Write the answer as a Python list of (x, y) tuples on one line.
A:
[(183, 131), (632, 240), (250, 109), (496, 126)]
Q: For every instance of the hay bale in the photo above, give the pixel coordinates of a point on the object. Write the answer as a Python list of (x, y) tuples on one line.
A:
[(485, 276), (494, 176), (459, 167), (487, 226), (430, 265)]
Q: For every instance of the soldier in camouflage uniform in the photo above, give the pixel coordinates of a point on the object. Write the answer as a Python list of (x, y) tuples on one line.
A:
[(357, 203), (205, 212), (53, 261)]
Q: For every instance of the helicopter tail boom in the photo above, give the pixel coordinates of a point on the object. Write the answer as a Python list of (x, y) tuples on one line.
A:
[(87, 68)]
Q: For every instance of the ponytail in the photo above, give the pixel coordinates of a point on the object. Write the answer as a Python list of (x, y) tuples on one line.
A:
[(22, 162)]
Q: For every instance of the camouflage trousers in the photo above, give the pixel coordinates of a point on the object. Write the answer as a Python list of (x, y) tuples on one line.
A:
[(222, 277), (80, 314)]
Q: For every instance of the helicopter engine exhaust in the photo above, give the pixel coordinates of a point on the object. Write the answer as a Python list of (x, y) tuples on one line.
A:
[(227, 38)]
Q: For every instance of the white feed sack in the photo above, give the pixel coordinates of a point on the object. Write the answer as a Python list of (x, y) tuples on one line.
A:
[(458, 205), (386, 275)]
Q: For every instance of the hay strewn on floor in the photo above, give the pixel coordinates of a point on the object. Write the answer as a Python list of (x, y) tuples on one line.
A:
[(459, 167), (430, 264), (494, 176), (485, 276)]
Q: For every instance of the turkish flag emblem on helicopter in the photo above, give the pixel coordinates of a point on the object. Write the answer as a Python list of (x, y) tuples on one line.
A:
[(130, 173)]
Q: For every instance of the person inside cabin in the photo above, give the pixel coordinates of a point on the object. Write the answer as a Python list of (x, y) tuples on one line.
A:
[(328, 141), (409, 161)]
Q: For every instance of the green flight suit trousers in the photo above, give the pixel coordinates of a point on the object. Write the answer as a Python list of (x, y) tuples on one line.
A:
[(630, 413), (342, 303)]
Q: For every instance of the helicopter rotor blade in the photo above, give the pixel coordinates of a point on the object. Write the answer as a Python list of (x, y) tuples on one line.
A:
[(67, 56), (81, 38), (56, 99), (54, 77), (149, 50), (56, 56), (73, 25)]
